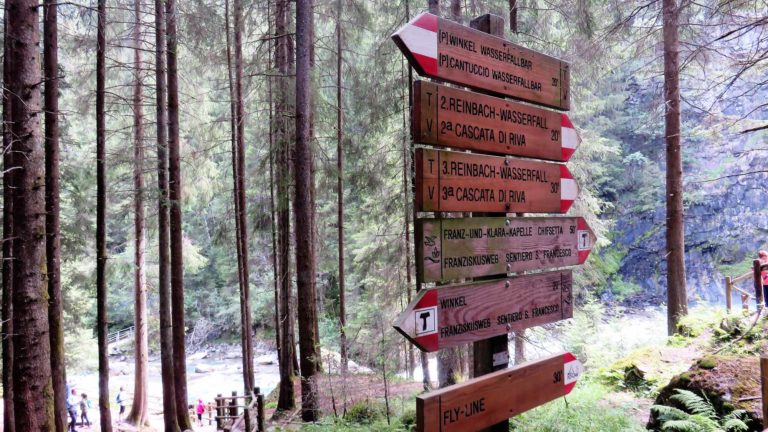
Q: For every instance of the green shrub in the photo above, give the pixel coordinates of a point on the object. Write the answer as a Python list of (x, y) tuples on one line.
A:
[(408, 420), (364, 412)]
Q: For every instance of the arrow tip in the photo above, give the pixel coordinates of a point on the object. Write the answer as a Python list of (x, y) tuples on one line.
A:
[(569, 190), (586, 239), (418, 42), (570, 139), (572, 370)]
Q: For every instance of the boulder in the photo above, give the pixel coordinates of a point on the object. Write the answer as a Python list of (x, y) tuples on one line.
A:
[(727, 382), (203, 368), (265, 360)]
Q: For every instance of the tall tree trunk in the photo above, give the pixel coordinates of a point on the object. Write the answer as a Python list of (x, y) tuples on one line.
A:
[(241, 215), (513, 16), (164, 286), (101, 221), (286, 399), (139, 414), (456, 11), (177, 239), (308, 341), (9, 423), (234, 130), (272, 207), (340, 188), (677, 298), (434, 6), (33, 391), (291, 135), (52, 221)]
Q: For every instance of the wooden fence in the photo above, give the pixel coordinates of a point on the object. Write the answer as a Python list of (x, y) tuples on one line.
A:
[(756, 288), (230, 408)]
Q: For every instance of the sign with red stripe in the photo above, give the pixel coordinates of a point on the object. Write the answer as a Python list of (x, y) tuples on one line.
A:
[(449, 117), (448, 51), (465, 182), (489, 399), (452, 315), (450, 249)]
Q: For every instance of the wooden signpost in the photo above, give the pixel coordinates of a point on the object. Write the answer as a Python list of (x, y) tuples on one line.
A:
[(484, 312), (486, 400), (465, 182), (442, 49), (448, 117), (449, 249), (453, 315)]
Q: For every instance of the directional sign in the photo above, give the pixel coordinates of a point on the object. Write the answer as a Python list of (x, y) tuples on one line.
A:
[(447, 316), (449, 117), (489, 399), (449, 249), (464, 182), (448, 51)]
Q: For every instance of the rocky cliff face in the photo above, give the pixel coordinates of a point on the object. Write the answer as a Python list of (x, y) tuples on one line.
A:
[(726, 218)]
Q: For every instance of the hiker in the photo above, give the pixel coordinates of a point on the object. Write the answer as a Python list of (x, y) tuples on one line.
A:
[(200, 411), (72, 403), (762, 256), (85, 405), (120, 399)]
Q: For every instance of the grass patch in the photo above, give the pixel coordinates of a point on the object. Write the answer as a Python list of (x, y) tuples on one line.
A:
[(585, 410)]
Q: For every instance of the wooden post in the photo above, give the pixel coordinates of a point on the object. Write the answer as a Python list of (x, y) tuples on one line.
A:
[(233, 405), (745, 304), (758, 285), (764, 387), (728, 293), (491, 354), (219, 411), (260, 411)]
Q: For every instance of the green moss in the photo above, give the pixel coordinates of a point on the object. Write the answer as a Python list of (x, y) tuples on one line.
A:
[(708, 363), (684, 378)]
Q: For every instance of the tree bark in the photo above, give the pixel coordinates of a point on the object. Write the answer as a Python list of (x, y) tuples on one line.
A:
[(33, 389), (52, 220), (9, 185), (101, 221), (340, 188), (164, 286), (434, 7), (411, 211), (272, 207), (241, 211), (286, 399), (513, 16), (139, 414), (177, 239), (456, 11), (234, 130), (308, 341), (677, 299)]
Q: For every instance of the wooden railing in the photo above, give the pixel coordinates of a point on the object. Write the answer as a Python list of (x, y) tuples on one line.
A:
[(756, 288), (228, 410), (730, 287), (120, 335)]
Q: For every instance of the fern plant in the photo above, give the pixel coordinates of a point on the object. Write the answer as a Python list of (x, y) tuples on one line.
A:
[(698, 415)]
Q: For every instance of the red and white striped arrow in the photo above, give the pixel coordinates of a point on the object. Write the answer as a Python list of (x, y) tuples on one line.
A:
[(569, 190), (419, 38), (570, 137)]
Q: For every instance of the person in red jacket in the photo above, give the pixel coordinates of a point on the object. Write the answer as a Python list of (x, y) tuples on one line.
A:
[(200, 410), (763, 257)]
